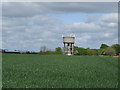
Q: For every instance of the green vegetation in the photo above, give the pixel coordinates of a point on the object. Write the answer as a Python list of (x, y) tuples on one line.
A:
[(44, 51), (59, 71), (113, 50), (116, 47), (103, 46), (104, 50), (58, 50), (109, 51)]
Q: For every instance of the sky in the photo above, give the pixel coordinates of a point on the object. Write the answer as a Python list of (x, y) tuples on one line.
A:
[(31, 25)]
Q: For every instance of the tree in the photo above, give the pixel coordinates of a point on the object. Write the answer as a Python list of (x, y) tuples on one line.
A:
[(76, 50), (96, 51), (109, 51), (50, 52), (27, 52), (91, 52), (58, 50), (43, 49), (3, 50), (82, 51), (103, 46), (100, 51), (117, 48)]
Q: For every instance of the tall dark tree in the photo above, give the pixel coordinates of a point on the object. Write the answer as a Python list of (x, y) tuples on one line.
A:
[(103, 46)]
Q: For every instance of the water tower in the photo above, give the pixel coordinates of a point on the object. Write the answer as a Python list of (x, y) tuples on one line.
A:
[(68, 42)]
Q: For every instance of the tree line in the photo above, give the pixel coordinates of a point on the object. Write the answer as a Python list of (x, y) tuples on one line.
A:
[(44, 50), (103, 50)]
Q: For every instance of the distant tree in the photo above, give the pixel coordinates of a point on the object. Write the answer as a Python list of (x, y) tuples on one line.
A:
[(33, 52), (103, 46), (100, 51), (76, 49), (58, 50), (109, 51), (50, 52), (91, 52), (82, 51), (3, 50), (87, 49), (79, 51), (27, 52), (96, 51), (43, 49), (117, 48)]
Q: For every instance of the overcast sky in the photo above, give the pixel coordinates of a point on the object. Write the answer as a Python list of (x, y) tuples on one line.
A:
[(28, 26)]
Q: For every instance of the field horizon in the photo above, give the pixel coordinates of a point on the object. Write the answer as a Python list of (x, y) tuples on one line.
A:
[(59, 71)]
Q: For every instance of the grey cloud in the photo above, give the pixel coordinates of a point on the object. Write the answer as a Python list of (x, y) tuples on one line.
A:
[(26, 9), (19, 36), (20, 9), (93, 40), (86, 7), (28, 26), (22, 36)]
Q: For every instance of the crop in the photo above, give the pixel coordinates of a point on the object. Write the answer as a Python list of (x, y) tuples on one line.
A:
[(59, 71)]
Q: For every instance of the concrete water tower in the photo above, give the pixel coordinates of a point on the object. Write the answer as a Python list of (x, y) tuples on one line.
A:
[(68, 42)]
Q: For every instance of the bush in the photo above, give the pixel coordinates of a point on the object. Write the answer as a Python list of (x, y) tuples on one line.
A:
[(109, 51)]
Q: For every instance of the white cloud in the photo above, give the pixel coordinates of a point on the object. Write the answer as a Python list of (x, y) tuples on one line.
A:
[(83, 27), (107, 20), (29, 32)]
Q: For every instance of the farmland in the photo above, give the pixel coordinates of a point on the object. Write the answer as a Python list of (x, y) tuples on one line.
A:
[(59, 71)]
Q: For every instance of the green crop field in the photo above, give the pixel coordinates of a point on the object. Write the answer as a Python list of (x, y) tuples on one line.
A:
[(59, 71)]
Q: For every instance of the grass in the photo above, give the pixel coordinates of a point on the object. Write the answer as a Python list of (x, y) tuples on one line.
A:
[(59, 71)]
